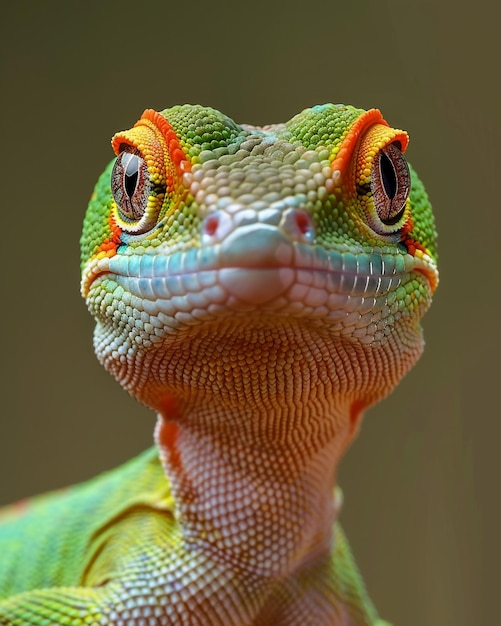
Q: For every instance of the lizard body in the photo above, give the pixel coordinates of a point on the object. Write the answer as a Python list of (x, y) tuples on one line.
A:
[(258, 288)]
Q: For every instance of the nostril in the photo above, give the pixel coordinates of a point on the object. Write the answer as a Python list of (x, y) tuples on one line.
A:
[(211, 225), (303, 222), (216, 227), (298, 225)]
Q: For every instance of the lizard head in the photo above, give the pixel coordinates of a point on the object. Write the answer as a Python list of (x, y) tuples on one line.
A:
[(205, 239)]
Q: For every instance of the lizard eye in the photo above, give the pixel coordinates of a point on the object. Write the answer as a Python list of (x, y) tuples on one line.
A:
[(130, 185), (390, 184)]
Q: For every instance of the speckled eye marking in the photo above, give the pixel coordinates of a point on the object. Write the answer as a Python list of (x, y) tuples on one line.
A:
[(146, 177), (130, 184), (382, 179), (390, 184)]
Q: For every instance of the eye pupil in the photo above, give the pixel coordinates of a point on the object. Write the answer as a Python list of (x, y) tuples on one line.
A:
[(388, 176), (390, 185), (130, 185), (131, 175)]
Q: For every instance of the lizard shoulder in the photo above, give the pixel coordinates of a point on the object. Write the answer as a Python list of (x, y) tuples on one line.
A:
[(81, 515)]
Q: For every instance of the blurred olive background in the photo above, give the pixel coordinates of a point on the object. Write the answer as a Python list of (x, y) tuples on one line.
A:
[(421, 483)]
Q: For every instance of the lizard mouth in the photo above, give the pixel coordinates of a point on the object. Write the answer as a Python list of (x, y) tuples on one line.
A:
[(257, 265), (359, 296)]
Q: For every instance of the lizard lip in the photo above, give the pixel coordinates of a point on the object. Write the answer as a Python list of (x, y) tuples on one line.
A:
[(258, 262), (258, 280)]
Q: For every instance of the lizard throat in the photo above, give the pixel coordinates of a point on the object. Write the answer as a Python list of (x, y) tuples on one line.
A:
[(252, 425)]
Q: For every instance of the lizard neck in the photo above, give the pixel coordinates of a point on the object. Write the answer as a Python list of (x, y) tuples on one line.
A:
[(264, 502), (253, 422)]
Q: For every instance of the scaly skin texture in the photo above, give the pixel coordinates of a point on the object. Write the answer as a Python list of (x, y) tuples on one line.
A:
[(258, 288)]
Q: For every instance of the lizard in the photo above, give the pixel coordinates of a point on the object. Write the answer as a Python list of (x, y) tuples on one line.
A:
[(259, 288)]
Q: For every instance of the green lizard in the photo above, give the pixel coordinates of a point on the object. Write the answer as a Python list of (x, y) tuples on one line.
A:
[(258, 288)]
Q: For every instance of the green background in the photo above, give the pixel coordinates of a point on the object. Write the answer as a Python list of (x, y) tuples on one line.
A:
[(421, 483)]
